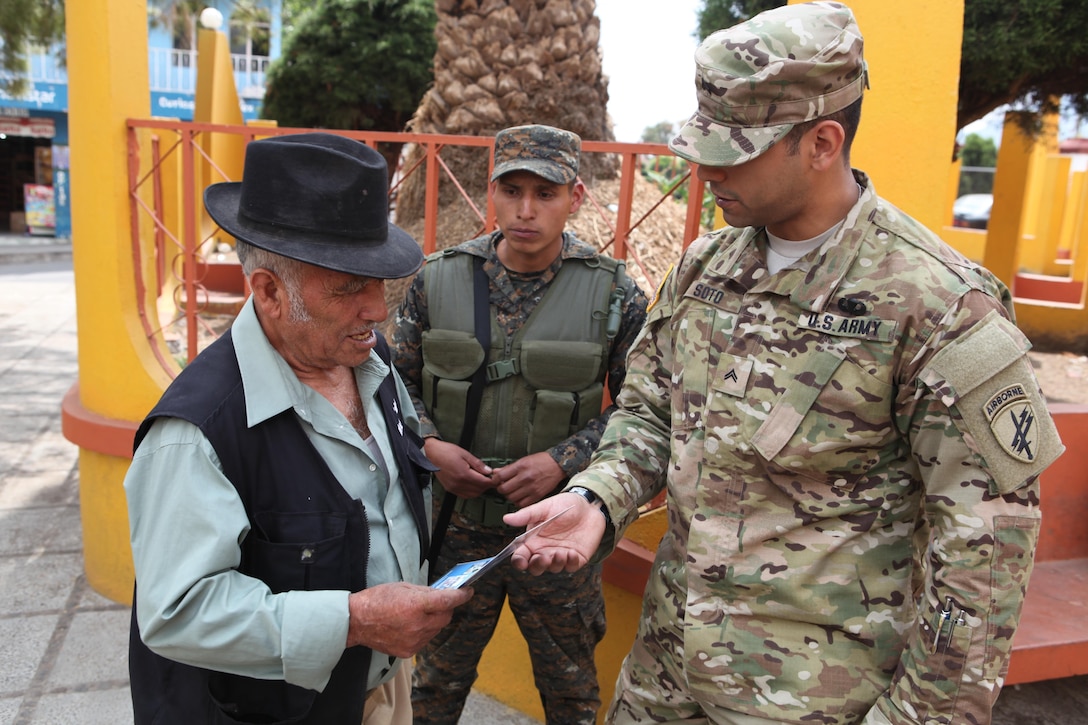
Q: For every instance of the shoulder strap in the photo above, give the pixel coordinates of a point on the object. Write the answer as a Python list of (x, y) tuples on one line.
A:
[(407, 448), (615, 301)]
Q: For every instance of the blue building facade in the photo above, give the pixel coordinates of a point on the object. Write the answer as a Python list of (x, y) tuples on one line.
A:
[(34, 193)]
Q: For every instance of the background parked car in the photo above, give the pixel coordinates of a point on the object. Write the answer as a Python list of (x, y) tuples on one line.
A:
[(972, 211)]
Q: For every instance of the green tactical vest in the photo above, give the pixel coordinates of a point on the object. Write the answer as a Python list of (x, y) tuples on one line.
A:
[(544, 384)]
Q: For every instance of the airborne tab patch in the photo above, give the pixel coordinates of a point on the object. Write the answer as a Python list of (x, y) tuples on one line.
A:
[(1012, 419)]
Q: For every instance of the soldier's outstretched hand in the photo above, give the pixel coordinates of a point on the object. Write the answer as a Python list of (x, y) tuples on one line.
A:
[(565, 544)]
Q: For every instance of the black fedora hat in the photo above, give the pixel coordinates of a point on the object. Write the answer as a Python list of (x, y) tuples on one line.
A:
[(318, 198)]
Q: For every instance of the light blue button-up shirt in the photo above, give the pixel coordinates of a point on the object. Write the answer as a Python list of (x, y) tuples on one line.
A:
[(187, 521)]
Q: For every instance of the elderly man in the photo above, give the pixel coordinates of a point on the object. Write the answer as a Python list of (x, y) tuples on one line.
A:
[(278, 497), (844, 417)]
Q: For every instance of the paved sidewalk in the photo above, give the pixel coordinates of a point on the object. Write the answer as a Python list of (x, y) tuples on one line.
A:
[(63, 647)]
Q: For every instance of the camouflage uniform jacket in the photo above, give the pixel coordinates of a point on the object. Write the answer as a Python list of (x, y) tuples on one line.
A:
[(513, 302), (845, 445)]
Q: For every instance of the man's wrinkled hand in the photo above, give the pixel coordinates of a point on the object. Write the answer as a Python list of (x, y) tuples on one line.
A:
[(399, 618)]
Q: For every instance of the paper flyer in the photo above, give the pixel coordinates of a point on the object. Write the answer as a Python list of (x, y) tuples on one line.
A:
[(467, 572)]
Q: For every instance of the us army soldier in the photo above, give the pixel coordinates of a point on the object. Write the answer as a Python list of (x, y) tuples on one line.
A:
[(842, 413)]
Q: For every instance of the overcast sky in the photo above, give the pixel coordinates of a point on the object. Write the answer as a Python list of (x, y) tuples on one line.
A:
[(648, 49)]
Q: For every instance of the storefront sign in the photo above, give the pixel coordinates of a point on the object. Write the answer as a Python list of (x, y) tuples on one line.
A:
[(182, 105), (33, 127), (40, 97)]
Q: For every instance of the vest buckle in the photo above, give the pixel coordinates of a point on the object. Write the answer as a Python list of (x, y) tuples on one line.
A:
[(501, 369)]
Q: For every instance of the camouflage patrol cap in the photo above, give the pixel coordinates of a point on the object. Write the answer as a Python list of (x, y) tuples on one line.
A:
[(756, 80), (548, 152)]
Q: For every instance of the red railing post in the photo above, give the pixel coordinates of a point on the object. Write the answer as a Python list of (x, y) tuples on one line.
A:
[(160, 238), (191, 223), (626, 201), (430, 202)]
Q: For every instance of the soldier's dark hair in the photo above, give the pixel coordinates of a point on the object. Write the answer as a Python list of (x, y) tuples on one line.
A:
[(848, 118)]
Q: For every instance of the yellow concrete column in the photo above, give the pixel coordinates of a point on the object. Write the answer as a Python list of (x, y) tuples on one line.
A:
[(908, 120), (1014, 160), (1048, 226), (1033, 245), (119, 378), (216, 102), (1075, 226)]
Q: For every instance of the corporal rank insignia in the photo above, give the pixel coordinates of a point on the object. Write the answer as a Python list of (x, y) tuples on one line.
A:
[(1012, 420)]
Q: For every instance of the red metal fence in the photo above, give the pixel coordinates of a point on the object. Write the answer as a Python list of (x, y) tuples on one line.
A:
[(170, 162)]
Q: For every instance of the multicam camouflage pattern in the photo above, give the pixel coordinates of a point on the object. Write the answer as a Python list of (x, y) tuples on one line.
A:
[(834, 474), (551, 153), (562, 615), (756, 80)]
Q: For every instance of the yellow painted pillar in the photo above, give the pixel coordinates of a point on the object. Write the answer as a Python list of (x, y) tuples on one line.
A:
[(1075, 227), (1014, 159), (908, 120), (216, 102), (1034, 224), (119, 378), (1048, 225)]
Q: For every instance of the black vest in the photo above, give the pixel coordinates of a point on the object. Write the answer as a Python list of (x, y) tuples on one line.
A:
[(304, 536)]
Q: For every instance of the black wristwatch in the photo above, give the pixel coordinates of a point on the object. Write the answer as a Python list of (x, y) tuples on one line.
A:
[(593, 499)]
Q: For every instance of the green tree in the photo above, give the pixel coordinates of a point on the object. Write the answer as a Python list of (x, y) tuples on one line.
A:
[(659, 133), (1023, 53), (978, 151), (978, 157), (354, 65), (25, 24), (291, 13), (718, 14)]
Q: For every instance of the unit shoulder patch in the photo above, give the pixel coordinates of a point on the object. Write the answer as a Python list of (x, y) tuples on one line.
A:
[(1012, 420), (986, 376)]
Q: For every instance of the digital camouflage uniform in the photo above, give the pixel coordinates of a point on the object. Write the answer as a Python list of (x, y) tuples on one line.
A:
[(850, 446), (561, 616)]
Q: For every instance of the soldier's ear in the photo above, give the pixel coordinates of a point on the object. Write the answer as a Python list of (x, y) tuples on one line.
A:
[(824, 144), (577, 195)]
